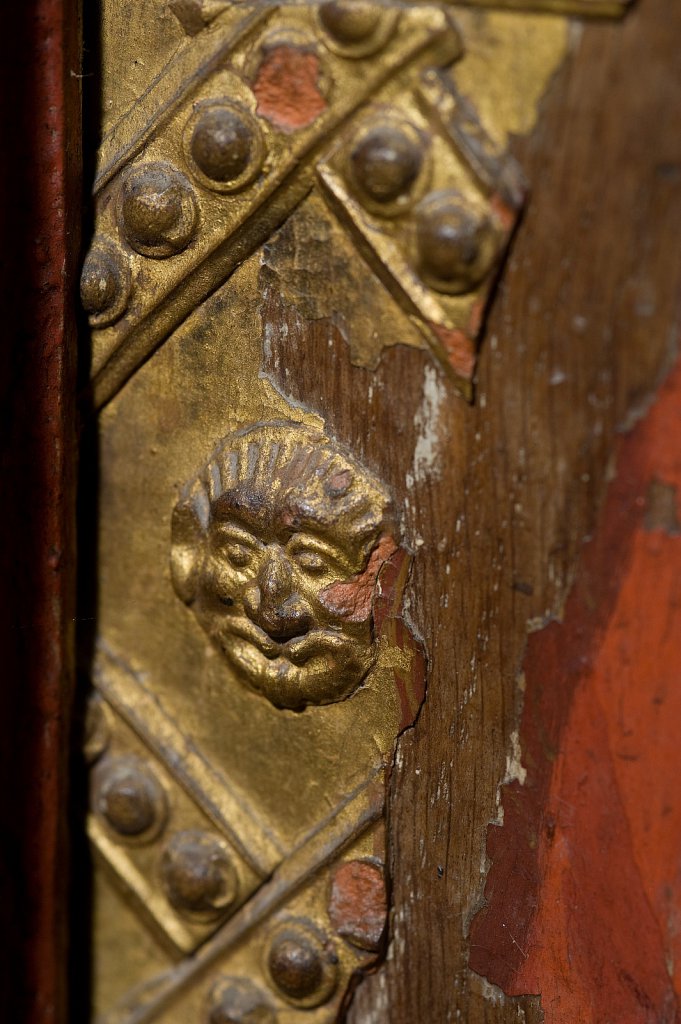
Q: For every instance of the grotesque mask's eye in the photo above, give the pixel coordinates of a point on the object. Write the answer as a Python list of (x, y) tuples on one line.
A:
[(232, 543), (311, 561), (238, 554), (317, 557)]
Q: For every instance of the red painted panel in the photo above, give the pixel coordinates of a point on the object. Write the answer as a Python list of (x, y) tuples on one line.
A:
[(584, 893)]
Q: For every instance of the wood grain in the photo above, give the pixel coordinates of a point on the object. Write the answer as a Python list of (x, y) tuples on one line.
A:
[(584, 890), (583, 328), (41, 212)]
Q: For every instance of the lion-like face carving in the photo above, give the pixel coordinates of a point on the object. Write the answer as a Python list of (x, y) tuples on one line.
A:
[(276, 548)]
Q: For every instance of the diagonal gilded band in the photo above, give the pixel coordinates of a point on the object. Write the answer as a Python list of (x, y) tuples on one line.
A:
[(149, 1003), (183, 237)]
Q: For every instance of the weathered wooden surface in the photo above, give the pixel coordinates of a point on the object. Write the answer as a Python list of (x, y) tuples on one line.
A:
[(505, 494), (41, 210), (584, 890), (586, 320), (502, 496)]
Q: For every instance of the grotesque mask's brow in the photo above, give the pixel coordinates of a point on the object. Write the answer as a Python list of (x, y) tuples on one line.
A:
[(249, 509)]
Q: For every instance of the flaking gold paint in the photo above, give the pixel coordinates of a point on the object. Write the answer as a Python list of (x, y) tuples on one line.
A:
[(509, 63), (293, 791), (289, 769), (313, 264), (202, 385)]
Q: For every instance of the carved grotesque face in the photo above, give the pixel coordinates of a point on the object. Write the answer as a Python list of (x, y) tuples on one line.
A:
[(276, 549)]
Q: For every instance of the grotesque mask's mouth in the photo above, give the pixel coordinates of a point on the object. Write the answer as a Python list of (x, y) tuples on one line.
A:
[(320, 666), (254, 635), (297, 650)]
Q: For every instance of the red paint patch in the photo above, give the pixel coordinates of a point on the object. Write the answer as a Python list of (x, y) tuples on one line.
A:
[(506, 215), (339, 483), (459, 348), (358, 906), (475, 319), (410, 683), (287, 88), (584, 894), (352, 600)]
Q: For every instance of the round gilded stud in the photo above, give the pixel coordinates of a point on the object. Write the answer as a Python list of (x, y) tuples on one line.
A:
[(296, 967), (198, 875), (302, 964), (105, 283), (239, 1001), (356, 28), (385, 162), (456, 244), (223, 145), (350, 21), (159, 212), (129, 798)]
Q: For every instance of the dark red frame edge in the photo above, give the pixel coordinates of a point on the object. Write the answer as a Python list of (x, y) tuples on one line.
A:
[(41, 210)]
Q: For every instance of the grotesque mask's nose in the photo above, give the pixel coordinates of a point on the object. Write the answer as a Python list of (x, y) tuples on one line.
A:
[(272, 602)]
